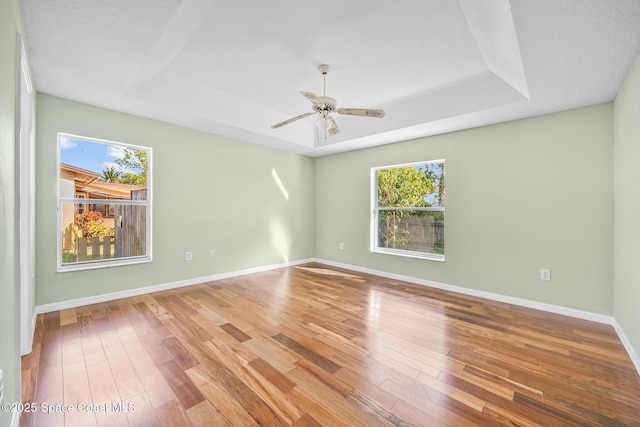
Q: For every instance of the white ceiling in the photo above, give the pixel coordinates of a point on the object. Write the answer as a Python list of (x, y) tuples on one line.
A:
[(235, 67)]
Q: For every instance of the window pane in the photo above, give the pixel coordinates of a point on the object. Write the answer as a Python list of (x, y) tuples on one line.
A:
[(88, 235), (408, 206), (417, 231)]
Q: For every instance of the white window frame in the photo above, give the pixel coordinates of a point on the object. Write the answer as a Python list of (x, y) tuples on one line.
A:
[(92, 264), (374, 216)]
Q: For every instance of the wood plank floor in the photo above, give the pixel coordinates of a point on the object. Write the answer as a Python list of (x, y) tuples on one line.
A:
[(318, 346)]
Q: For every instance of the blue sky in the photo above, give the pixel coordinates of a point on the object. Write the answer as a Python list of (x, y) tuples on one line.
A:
[(90, 155)]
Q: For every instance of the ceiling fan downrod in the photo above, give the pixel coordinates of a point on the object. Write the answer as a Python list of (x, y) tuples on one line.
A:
[(324, 69)]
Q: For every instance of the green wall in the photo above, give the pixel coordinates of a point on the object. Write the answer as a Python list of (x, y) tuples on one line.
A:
[(10, 25), (626, 161), (521, 196), (209, 192)]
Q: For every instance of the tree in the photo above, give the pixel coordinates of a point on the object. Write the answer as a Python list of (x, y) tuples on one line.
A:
[(441, 189), (435, 173), (110, 174), (135, 166), (405, 187), (132, 179), (399, 187)]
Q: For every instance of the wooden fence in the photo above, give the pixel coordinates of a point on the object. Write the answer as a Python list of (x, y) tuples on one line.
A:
[(129, 239), (131, 227), (427, 234), (421, 233), (92, 248)]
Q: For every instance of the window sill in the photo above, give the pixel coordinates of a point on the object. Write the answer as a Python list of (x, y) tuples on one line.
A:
[(91, 265), (409, 254)]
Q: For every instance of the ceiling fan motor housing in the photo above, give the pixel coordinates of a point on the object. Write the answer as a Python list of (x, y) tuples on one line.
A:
[(326, 104)]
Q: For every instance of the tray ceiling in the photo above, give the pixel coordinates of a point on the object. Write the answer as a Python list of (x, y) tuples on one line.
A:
[(235, 67)]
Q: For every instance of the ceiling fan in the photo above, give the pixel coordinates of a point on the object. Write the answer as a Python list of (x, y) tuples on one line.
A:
[(324, 106)]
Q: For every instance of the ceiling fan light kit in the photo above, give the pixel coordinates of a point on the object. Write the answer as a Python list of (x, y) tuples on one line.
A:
[(325, 105)]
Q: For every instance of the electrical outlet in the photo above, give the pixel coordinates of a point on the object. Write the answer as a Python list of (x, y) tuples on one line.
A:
[(212, 253), (545, 274), (188, 256), (341, 246)]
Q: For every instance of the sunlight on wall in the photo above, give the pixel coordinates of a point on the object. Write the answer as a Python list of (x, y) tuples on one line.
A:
[(276, 178), (280, 239), (279, 236)]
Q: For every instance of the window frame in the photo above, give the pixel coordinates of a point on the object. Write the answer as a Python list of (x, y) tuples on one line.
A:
[(375, 209), (102, 263)]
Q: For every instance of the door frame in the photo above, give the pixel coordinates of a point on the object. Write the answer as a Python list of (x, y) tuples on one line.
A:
[(25, 196)]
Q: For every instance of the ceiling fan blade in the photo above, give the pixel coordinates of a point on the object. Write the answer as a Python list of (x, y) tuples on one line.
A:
[(333, 130), (364, 112), (293, 119), (310, 96)]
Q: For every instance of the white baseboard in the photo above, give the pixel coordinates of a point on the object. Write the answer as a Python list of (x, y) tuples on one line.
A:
[(78, 302), (579, 314), (586, 315)]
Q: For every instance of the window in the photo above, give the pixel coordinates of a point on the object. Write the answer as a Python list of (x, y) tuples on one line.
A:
[(408, 210), (104, 203)]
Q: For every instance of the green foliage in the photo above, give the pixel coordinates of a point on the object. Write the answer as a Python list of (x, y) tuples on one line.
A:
[(96, 229), (133, 179), (132, 168), (399, 187), (69, 257), (110, 174), (403, 187), (91, 224), (134, 163)]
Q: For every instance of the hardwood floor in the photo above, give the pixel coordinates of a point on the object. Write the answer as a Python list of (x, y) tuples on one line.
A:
[(318, 346)]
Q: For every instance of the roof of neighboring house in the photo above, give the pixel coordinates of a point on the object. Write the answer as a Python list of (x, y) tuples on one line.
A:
[(112, 189), (80, 175), (86, 181)]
